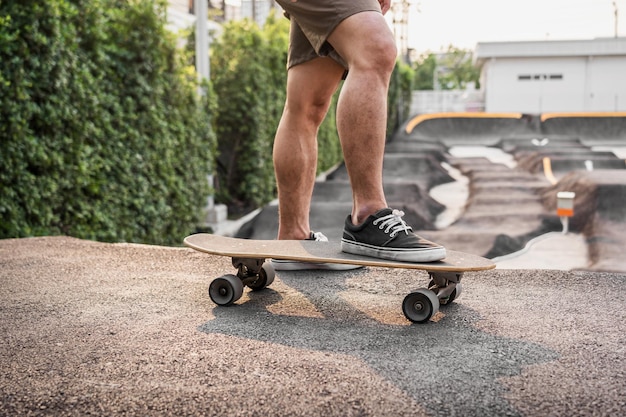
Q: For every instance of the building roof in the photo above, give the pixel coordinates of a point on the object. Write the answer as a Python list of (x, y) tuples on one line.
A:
[(566, 48)]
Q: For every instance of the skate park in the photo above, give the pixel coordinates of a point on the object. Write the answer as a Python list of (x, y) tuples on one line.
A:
[(128, 329)]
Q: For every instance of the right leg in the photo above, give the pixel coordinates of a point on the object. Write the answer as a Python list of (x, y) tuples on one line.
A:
[(310, 87), (366, 43)]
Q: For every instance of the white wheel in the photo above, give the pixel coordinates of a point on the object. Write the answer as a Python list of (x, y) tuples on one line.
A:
[(226, 290), (420, 306)]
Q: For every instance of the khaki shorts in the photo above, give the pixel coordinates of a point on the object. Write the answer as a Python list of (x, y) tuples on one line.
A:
[(312, 22)]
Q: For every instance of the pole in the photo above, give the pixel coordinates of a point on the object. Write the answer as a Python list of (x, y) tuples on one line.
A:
[(202, 39), (202, 61), (616, 13)]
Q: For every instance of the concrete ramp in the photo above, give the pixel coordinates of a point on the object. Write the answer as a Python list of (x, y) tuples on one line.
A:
[(562, 162), (469, 128), (421, 168), (540, 142), (489, 129), (589, 127)]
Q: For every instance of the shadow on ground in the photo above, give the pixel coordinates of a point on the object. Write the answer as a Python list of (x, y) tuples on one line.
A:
[(432, 363)]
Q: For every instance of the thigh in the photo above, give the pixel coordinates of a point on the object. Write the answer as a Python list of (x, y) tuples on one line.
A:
[(364, 37), (314, 20), (312, 84)]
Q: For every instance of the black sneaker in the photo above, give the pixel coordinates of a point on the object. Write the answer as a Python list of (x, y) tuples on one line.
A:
[(287, 265), (385, 235)]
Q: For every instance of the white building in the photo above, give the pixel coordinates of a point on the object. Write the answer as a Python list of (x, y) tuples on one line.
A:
[(553, 76)]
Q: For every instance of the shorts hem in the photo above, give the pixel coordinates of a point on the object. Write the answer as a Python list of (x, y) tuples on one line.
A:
[(323, 40)]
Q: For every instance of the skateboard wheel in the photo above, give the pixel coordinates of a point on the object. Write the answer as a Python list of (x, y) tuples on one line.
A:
[(420, 306), (456, 293), (226, 290), (264, 279)]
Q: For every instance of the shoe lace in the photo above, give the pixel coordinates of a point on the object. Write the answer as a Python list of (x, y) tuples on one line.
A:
[(393, 223)]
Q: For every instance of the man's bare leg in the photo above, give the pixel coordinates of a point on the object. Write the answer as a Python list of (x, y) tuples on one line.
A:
[(310, 87), (365, 41)]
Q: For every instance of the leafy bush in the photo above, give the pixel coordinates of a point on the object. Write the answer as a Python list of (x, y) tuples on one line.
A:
[(102, 133)]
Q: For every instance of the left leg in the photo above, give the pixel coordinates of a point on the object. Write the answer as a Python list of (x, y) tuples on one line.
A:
[(310, 87)]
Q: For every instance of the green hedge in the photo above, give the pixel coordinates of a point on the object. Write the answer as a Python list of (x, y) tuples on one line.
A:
[(102, 133)]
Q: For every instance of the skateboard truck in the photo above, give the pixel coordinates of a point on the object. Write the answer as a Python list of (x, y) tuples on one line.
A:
[(423, 303), (251, 272), (447, 285), (254, 273), (247, 268)]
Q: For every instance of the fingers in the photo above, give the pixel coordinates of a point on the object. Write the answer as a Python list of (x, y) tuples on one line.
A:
[(385, 5)]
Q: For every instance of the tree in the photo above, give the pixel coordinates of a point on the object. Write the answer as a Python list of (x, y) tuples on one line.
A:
[(451, 70), (424, 69), (456, 69)]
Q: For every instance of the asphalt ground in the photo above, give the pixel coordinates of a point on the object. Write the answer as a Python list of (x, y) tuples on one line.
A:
[(91, 328)]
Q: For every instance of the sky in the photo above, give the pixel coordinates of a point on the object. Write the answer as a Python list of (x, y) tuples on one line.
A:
[(435, 24)]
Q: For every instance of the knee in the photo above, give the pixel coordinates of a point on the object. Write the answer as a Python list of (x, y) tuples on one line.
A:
[(309, 113), (379, 56), (316, 112), (387, 52)]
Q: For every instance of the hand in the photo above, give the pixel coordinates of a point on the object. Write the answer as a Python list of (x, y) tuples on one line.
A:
[(385, 5)]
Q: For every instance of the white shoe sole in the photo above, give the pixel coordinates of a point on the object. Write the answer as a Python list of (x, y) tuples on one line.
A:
[(395, 254)]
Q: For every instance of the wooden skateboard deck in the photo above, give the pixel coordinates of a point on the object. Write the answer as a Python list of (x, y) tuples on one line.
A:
[(312, 251), (249, 256)]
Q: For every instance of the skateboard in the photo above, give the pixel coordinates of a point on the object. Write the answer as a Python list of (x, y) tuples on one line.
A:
[(249, 258)]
